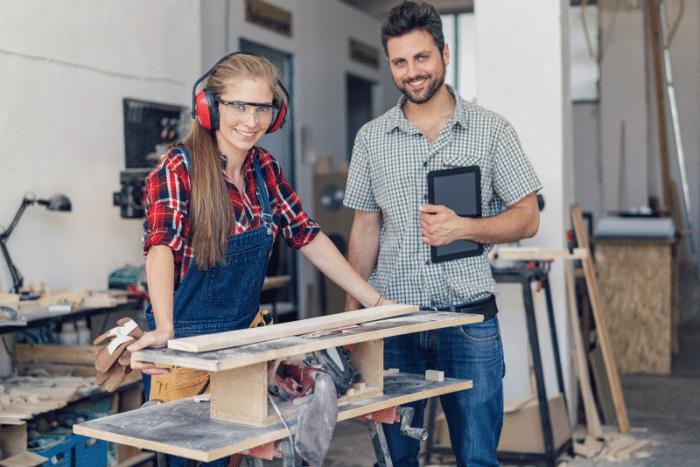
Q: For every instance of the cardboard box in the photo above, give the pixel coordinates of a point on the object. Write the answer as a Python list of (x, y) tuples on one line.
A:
[(522, 428)]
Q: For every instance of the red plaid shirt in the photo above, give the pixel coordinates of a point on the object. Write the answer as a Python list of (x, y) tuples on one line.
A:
[(168, 191)]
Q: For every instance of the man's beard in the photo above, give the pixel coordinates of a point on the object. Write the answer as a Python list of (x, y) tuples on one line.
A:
[(432, 88)]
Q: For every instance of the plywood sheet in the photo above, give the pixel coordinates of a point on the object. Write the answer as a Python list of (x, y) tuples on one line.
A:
[(184, 427), (635, 292), (224, 340), (224, 359)]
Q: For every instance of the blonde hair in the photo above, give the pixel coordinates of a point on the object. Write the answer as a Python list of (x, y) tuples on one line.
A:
[(210, 209)]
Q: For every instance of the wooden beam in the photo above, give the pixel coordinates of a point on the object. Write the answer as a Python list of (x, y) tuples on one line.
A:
[(225, 359), (539, 254), (226, 340), (601, 326), (580, 361)]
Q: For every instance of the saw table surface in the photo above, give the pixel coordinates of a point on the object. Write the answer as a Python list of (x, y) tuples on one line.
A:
[(184, 427)]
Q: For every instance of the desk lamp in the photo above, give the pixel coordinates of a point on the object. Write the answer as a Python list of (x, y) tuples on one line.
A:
[(55, 203)]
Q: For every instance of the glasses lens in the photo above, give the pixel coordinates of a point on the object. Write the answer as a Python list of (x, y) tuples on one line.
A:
[(263, 113)]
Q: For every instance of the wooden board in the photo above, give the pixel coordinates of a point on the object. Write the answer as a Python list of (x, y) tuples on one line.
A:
[(184, 428), (601, 327), (225, 359), (55, 353), (579, 351), (223, 340), (534, 254)]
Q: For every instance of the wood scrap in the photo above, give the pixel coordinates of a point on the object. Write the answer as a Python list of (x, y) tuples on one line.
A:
[(99, 299), (517, 404), (626, 453), (75, 297), (25, 459)]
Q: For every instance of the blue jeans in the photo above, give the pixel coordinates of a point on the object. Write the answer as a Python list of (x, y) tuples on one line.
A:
[(474, 416)]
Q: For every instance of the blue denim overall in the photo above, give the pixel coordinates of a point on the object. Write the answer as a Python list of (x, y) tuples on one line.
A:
[(226, 297)]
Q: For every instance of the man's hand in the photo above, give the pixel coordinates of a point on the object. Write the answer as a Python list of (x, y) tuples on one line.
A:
[(439, 225)]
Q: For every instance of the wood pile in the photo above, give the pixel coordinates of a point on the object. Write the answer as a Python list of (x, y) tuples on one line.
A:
[(23, 397), (612, 447)]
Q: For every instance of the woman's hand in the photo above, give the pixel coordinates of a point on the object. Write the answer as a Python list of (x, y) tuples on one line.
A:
[(153, 339)]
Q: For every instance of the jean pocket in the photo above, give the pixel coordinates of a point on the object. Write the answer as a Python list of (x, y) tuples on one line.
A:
[(483, 332)]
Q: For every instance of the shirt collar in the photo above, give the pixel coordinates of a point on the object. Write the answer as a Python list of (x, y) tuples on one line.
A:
[(396, 118)]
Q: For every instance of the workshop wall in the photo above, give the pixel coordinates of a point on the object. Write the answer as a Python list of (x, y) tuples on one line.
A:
[(65, 68)]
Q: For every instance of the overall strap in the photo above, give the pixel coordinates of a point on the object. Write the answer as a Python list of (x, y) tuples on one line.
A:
[(263, 200)]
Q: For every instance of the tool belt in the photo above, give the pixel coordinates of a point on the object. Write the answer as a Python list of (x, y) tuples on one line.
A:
[(486, 307)]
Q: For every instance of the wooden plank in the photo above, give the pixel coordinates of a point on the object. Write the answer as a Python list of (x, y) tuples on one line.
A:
[(54, 353), (541, 254), (184, 427), (224, 359), (580, 362), (224, 340), (24, 459), (601, 326)]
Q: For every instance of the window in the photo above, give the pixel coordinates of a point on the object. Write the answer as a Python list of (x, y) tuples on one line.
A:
[(584, 70), (460, 36)]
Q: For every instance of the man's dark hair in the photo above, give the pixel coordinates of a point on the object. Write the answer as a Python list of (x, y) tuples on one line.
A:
[(410, 16)]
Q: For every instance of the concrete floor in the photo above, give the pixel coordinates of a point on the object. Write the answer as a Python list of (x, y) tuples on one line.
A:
[(663, 409)]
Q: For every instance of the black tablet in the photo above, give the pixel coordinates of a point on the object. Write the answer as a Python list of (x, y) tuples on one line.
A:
[(460, 190)]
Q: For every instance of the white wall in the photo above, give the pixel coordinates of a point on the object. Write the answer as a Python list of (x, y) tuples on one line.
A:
[(523, 74), (622, 98), (64, 69)]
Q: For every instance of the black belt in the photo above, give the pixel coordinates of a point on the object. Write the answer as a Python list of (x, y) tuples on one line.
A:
[(486, 307)]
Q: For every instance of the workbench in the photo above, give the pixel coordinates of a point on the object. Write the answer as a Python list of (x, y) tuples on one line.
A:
[(237, 410)]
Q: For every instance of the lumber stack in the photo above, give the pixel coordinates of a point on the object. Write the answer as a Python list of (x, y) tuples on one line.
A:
[(23, 397)]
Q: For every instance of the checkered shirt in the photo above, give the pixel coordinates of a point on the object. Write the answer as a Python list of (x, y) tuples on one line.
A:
[(168, 192), (388, 173)]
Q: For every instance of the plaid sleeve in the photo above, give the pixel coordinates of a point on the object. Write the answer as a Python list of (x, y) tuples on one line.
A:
[(358, 191), (167, 197), (296, 227), (514, 176)]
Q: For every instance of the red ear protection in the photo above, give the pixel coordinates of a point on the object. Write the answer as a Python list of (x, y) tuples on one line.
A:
[(206, 108)]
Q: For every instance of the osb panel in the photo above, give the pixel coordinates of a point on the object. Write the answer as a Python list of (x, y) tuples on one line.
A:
[(635, 293)]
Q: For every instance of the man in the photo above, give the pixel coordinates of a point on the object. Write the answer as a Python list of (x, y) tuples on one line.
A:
[(432, 128)]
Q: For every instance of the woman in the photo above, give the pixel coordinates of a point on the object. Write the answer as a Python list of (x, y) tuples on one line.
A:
[(214, 205)]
